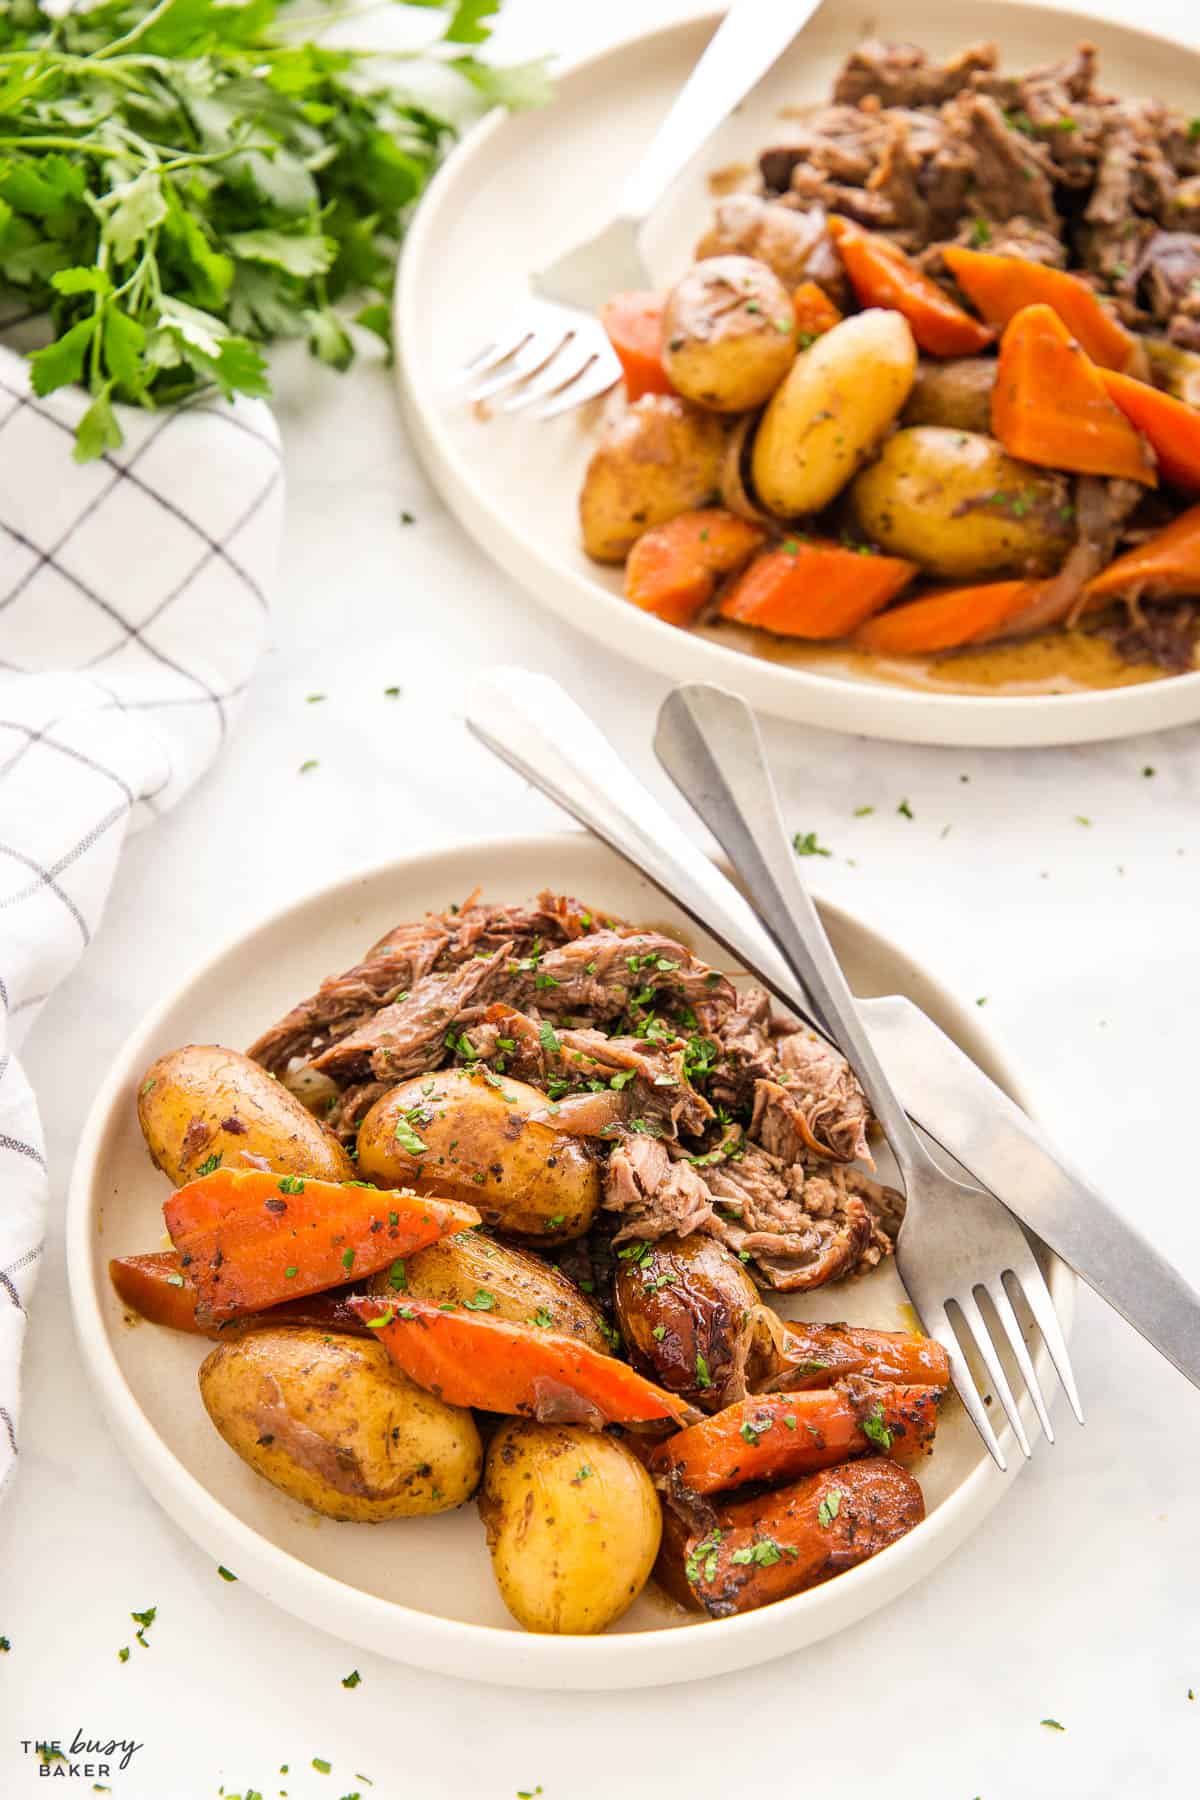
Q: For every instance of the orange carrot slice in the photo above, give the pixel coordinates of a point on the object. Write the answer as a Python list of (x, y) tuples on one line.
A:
[(672, 570), (816, 1355), (776, 1437), (249, 1239), (155, 1286), (1002, 286), (471, 1359), (814, 310), (1166, 566), (1172, 426), (1049, 404), (813, 588), (633, 323), (881, 275), (944, 621)]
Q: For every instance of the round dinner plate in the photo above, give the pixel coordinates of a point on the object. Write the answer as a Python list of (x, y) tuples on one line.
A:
[(521, 189), (421, 1590)]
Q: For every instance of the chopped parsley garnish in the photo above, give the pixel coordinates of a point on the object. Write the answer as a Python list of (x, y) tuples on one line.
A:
[(291, 1184), (585, 1469), (1053, 1725), (764, 1552), (659, 1333), (981, 232), (123, 1653), (905, 810), (347, 1259), (310, 763), (408, 1139), (291, 1274), (398, 1276), (805, 844), (483, 1301), (352, 1679), (209, 1165), (321, 1766), (875, 1429), (702, 1372), (5, 1646), (385, 1318), (704, 1560), (829, 1508), (225, 1574), (548, 1038), (542, 1318)]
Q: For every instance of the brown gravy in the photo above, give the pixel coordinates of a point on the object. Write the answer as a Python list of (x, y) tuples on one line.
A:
[(1053, 662)]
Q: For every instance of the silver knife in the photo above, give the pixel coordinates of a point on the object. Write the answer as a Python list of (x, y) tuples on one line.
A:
[(530, 723)]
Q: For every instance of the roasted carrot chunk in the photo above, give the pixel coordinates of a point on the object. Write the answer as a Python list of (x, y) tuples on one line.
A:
[(882, 275), (1049, 404), (813, 588), (816, 1355), (633, 323), (775, 1437), (814, 310), (783, 1542), (947, 620), (471, 1359), (672, 570), (1002, 286), (1166, 566), (155, 1286), (249, 1239), (1172, 426)]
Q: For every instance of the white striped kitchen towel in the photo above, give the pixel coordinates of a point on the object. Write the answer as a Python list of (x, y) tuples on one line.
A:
[(133, 608)]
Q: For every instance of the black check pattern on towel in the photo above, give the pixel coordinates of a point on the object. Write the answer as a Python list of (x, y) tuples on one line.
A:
[(133, 609)]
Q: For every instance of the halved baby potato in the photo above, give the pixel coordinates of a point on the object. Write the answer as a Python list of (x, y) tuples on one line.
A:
[(661, 457), (471, 1269), (729, 334)]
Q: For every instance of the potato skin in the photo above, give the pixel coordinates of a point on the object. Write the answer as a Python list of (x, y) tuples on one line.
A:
[(957, 394), (573, 1525), (839, 398), (522, 1287), (958, 505), (661, 457), (729, 333), (481, 1146), (333, 1423), (203, 1101), (696, 1294)]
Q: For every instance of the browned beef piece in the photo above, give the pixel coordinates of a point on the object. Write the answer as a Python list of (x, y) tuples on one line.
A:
[(654, 1195), (896, 179), (651, 1078), (747, 1050), (599, 974), (1058, 104), (352, 1106), (1015, 237), (902, 75), (841, 143), (799, 1230), (1101, 510), (406, 954), (408, 1037), (1168, 277), (1184, 212), (1168, 636), (818, 1092), (1011, 174), (795, 244)]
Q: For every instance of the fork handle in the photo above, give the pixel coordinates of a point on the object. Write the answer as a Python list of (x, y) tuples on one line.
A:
[(708, 742), (751, 36)]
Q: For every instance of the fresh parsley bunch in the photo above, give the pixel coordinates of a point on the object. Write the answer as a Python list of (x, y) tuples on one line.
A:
[(183, 182)]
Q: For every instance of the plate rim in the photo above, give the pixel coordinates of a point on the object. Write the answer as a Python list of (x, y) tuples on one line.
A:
[(880, 709), (500, 1655)]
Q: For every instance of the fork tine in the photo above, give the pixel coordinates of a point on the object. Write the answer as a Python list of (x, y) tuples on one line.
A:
[(595, 379), (531, 358), (549, 382), (492, 354), (998, 1295), (936, 1322), (978, 1327), (1031, 1283)]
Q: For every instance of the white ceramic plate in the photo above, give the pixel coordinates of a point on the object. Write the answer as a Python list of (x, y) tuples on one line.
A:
[(520, 190), (421, 1590)]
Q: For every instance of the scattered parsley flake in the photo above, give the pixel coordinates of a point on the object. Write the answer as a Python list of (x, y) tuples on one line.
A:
[(321, 1766), (829, 1508), (702, 1372), (483, 1301), (905, 810), (225, 1574), (875, 1429), (806, 844), (352, 1679), (860, 812), (659, 1333), (209, 1166), (309, 763), (1053, 1725)]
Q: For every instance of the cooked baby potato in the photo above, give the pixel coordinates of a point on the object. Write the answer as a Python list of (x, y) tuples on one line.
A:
[(472, 1269), (662, 457), (839, 398), (729, 333), (204, 1102), (958, 505), (573, 1525), (957, 393), (469, 1136), (332, 1422), (690, 1315)]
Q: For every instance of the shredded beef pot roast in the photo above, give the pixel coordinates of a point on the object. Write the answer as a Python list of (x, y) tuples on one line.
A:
[(709, 1111)]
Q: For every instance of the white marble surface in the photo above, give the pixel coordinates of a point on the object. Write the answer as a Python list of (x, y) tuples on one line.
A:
[(1066, 893)]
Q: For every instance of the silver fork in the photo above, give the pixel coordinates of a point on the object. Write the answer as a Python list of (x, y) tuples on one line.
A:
[(530, 723), (553, 354), (958, 1245)]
